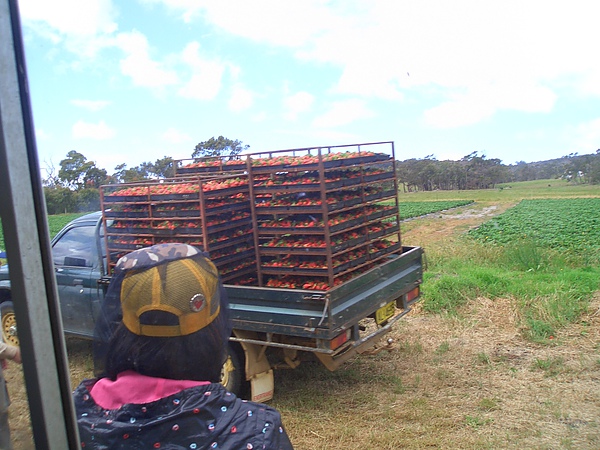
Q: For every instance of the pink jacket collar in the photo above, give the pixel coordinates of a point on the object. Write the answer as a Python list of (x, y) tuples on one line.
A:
[(131, 387)]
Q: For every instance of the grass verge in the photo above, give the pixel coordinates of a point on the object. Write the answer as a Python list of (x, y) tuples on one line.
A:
[(551, 291)]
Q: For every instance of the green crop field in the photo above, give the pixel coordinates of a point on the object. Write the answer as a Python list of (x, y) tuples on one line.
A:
[(55, 224), (562, 224)]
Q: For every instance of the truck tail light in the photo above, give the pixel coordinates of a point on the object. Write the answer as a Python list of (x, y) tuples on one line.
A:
[(340, 339), (410, 296)]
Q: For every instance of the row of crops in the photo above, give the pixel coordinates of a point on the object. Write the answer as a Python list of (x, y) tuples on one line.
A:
[(562, 224)]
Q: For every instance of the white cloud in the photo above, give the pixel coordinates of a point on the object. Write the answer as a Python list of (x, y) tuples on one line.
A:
[(206, 79), (138, 64), (71, 17), (522, 96), (331, 137), (369, 79), (298, 103), (590, 83), (522, 51), (190, 8), (343, 113), (241, 98), (91, 105), (82, 27), (175, 136), (272, 21), (458, 113), (97, 131), (480, 102), (466, 59)]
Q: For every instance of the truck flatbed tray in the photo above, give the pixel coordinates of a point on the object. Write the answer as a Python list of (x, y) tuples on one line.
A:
[(324, 314)]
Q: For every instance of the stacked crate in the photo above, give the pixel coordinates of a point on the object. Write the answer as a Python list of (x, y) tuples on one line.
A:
[(211, 213), (322, 216), (304, 218), (212, 165)]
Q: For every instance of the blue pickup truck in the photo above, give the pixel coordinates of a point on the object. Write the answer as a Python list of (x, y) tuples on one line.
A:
[(273, 327)]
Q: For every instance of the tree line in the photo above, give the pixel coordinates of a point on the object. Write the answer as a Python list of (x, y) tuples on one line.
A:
[(74, 187), (475, 171)]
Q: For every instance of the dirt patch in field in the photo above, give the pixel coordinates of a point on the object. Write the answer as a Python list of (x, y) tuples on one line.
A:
[(433, 228), (471, 213)]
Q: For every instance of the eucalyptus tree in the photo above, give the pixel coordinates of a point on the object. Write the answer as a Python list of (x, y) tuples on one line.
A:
[(220, 146)]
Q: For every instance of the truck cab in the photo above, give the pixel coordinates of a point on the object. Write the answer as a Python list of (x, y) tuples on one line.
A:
[(79, 262)]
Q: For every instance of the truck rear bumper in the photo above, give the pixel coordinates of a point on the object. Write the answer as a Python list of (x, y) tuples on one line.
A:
[(332, 359)]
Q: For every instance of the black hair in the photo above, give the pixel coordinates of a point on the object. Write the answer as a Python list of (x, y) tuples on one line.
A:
[(198, 356)]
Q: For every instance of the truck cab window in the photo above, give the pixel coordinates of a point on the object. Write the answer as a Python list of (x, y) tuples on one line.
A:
[(74, 249)]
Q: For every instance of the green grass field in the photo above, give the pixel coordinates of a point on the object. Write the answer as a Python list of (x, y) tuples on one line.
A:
[(511, 192), (55, 224)]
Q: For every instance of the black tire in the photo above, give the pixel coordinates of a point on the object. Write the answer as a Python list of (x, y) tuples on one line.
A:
[(9, 324), (232, 373)]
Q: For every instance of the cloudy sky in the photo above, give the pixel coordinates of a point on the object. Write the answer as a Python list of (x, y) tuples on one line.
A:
[(134, 81)]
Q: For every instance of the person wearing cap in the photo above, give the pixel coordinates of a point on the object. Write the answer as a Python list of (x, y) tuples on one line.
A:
[(160, 344)]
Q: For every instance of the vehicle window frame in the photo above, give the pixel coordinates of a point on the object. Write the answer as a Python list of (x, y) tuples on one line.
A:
[(82, 247)]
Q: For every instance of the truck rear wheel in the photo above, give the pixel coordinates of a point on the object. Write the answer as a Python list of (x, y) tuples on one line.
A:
[(9, 324), (232, 372)]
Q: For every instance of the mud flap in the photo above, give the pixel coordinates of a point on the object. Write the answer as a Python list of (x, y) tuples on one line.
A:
[(262, 386), (258, 369)]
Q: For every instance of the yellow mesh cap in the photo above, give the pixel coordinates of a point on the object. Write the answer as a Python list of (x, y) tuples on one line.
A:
[(185, 288)]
